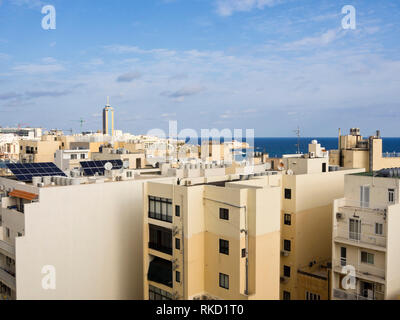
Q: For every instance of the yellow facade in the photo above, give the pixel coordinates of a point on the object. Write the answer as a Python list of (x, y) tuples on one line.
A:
[(304, 267), (252, 234)]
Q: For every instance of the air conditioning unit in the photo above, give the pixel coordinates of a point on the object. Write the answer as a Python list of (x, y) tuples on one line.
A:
[(285, 253), (284, 279)]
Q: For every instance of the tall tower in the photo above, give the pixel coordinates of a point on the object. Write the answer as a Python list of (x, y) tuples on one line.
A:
[(108, 119)]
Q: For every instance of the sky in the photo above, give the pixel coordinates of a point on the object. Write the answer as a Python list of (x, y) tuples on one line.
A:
[(267, 65)]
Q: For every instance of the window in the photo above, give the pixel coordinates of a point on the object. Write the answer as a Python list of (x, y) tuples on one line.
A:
[(364, 196), (286, 295), (160, 209), (286, 271), (288, 219), (224, 214), (287, 244), (288, 193), (243, 253), (343, 256), (355, 229), (178, 276), (177, 211), (9, 261), (312, 296), (74, 156), (223, 246), (8, 232), (324, 167), (379, 228), (83, 156), (367, 257), (158, 294), (224, 281), (178, 244), (391, 195), (160, 239)]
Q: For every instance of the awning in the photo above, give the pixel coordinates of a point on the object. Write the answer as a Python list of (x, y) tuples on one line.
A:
[(23, 195)]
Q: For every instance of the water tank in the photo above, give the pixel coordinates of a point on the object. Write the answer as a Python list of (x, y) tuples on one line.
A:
[(36, 180), (47, 181)]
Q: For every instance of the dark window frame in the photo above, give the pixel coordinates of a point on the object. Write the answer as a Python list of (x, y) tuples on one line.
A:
[(224, 246), (164, 203), (286, 295), (224, 281), (287, 245), (224, 214), (287, 219), (286, 271), (288, 194)]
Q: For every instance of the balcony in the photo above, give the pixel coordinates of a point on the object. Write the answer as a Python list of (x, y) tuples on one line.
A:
[(363, 271), (158, 247), (7, 250), (342, 234), (160, 271), (8, 279), (347, 295)]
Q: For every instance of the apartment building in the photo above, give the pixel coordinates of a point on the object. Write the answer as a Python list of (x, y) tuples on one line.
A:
[(215, 237), (9, 147), (86, 232), (134, 160), (309, 187), (70, 159), (357, 152), (36, 151), (366, 238)]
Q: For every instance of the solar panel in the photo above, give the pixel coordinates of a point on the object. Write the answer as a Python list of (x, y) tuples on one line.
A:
[(26, 171), (91, 168)]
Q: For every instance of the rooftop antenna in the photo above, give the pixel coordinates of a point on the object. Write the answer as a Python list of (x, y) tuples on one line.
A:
[(108, 102), (297, 131)]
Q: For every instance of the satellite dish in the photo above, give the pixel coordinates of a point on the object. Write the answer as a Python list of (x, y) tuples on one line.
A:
[(108, 166)]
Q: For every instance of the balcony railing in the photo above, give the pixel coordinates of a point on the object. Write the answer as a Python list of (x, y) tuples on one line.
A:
[(363, 270), (346, 295), (342, 232), (7, 278), (7, 249), (161, 217), (163, 249)]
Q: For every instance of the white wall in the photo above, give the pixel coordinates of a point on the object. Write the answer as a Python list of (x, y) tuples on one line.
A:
[(91, 234)]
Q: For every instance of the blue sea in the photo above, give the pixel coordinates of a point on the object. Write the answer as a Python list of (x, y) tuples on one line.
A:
[(276, 147)]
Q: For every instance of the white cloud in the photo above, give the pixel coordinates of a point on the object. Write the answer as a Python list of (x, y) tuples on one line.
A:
[(228, 7), (38, 68)]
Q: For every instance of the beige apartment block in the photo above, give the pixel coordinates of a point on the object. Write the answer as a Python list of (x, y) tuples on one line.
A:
[(366, 238), (87, 230), (36, 151), (212, 238), (356, 152), (309, 187)]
